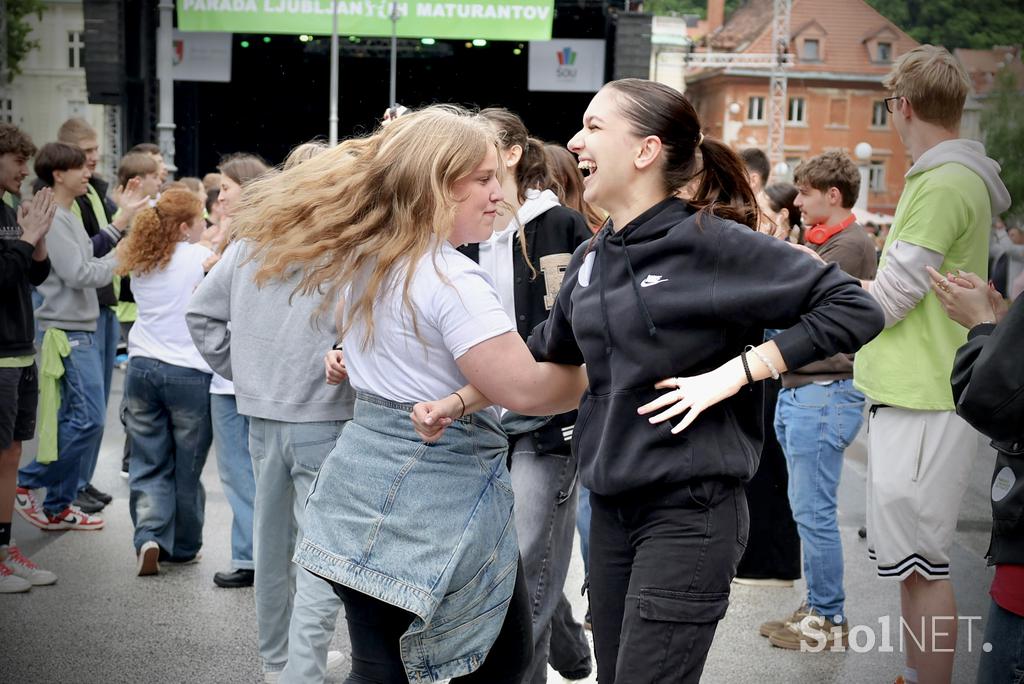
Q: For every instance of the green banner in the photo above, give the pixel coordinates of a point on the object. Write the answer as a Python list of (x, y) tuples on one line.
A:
[(458, 19)]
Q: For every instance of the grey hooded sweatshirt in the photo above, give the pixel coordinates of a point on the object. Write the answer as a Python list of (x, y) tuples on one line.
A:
[(273, 348)]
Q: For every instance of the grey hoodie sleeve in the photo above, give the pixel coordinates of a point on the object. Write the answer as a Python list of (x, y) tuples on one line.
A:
[(71, 255), (209, 313), (903, 282)]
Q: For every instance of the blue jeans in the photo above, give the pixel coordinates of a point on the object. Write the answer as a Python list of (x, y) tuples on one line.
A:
[(546, 495), (814, 424), (296, 611), (169, 420), (108, 332), (231, 440), (583, 527), (80, 421), (1004, 664)]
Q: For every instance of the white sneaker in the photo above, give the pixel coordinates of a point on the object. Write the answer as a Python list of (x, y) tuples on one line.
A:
[(149, 559), (26, 569), (11, 583)]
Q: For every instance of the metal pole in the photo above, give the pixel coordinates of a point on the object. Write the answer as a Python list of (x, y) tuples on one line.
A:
[(332, 120), (164, 61), (392, 97)]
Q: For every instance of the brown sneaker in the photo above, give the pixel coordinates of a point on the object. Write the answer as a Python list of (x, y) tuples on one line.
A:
[(813, 632), (772, 626)]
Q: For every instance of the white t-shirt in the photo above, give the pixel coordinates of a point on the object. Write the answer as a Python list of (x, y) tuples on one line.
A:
[(160, 331), (452, 317)]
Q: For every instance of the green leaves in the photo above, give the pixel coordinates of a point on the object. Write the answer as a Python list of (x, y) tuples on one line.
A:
[(979, 24), (1002, 123), (18, 31)]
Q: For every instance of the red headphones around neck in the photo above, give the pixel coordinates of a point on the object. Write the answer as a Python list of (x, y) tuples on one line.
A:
[(820, 234)]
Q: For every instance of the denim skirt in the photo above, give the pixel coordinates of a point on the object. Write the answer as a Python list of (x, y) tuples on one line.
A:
[(425, 527)]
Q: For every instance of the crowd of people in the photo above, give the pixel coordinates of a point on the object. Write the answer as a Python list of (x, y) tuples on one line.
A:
[(428, 356)]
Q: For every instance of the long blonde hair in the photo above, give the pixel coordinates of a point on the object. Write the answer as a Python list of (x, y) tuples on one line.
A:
[(156, 232), (361, 214)]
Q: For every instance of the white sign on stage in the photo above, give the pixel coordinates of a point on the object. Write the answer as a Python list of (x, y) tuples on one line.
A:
[(566, 64), (202, 56)]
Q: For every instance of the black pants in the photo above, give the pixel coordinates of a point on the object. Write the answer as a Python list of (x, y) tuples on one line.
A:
[(374, 628), (661, 561)]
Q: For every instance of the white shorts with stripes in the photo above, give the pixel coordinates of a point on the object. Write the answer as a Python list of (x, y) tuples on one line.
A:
[(918, 469)]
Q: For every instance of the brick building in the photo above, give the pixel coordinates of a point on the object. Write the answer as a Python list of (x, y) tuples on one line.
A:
[(842, 50)]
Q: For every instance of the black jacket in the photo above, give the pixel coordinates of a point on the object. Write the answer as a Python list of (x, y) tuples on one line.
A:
[(667, 296), (18, 272), (558, 231), (988, 386)]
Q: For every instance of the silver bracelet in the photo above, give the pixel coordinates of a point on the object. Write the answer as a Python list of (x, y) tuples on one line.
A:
[(763, 359)]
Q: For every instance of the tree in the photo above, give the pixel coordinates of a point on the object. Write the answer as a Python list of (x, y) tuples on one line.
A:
[(17, 41), (1002, 123), (979, 24), (680, 7)]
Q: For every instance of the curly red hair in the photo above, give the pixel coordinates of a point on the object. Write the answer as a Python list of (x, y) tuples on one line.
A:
[(155, 232)]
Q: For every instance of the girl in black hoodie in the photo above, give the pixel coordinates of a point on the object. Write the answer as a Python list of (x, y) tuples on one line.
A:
[(674, 295)]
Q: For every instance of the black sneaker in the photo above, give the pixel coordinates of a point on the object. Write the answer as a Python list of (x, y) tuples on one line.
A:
[(102, 497), (86, 503), (236, 579)]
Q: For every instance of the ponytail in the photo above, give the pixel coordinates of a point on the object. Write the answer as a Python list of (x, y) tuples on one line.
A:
[(156, 232), (532, 170), (723, 188)]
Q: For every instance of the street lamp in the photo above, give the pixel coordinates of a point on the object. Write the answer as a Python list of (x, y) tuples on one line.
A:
[(863, 152)]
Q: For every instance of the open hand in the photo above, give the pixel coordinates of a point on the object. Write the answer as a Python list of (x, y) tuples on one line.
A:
[(131, 199), (335, 370), (35, 216), (691, 395)]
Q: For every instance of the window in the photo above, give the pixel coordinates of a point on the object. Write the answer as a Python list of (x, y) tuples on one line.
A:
[(811, 50), (797, 110), (76, 50), (837, 112), (6, 111), (885, 52), (876, 176), (755, 109), (879, 115)]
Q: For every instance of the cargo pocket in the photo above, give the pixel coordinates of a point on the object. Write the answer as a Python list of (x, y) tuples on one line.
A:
[(665, 605)]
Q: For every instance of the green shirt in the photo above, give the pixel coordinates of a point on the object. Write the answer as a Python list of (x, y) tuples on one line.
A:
[(16, 361), (947, 210)]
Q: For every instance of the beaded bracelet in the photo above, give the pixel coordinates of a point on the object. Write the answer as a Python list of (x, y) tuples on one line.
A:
[(764, 359)]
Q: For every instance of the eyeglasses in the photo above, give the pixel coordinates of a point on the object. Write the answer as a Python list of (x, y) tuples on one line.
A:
[(888, 107)]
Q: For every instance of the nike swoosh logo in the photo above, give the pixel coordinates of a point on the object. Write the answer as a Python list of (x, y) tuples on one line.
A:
[(652, 280)]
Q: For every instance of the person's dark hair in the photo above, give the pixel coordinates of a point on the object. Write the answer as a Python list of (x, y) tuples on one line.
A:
[(242, 167), (13, 140), (757, 161), (659, 110), (211, 198), (146, 148), (783, 196), (57, 156), (830, 170), (532, 170)]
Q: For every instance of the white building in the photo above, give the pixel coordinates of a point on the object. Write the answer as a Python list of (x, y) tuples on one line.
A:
[(51, 87)]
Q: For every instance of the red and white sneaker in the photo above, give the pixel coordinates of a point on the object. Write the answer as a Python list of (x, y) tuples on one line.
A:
[(72, 518), (11, 583), (26, 506), (26, 568)]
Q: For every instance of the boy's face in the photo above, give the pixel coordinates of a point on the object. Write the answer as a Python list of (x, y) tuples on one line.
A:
[(1016, 235), (151, 184), (75, 181), (91, 147), (161, 167), (13, 171), (814, 205)]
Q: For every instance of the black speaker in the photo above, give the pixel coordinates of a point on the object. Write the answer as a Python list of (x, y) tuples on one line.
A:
[(104, 51), (632, 53)]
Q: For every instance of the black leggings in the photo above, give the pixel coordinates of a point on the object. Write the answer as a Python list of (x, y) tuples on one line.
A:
[(374, 628)]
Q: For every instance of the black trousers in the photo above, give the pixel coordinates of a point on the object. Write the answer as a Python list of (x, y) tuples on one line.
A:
[(661, 562), (374, 628)]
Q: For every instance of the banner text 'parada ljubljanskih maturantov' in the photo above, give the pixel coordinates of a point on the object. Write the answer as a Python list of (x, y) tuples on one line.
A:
[(459, 19)]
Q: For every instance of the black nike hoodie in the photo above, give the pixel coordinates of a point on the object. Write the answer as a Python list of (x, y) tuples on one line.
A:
[(677, 294)]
